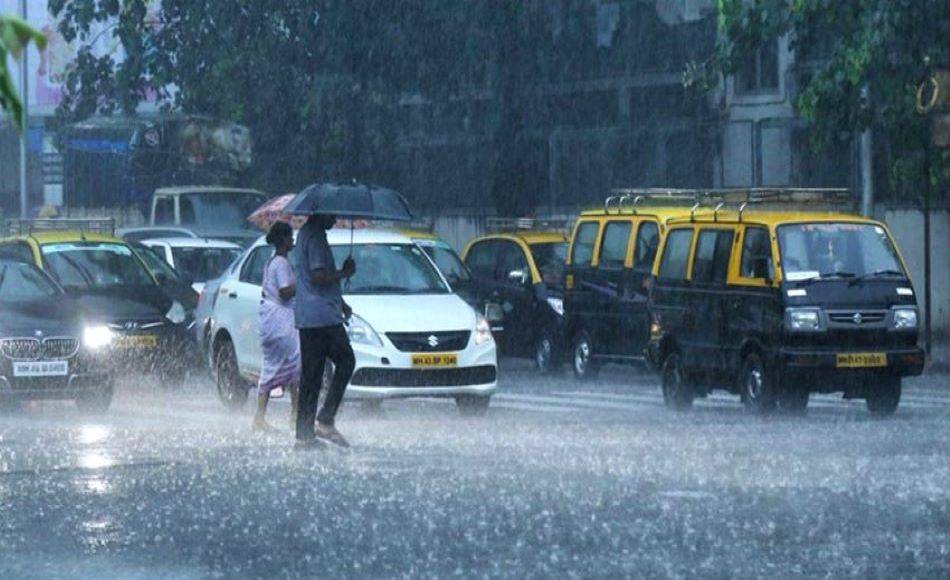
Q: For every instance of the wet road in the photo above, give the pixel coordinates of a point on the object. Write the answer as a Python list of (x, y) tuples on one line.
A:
[(560, 479)]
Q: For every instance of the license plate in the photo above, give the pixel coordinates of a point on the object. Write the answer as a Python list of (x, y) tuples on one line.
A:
[(862, 359), (50, 368), (137, 341), (424, 361)]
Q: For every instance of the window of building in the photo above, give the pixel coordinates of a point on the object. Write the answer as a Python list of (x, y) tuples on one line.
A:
[(759, 70), (613, 247), (583, 251), (676, 255), (711, 263)]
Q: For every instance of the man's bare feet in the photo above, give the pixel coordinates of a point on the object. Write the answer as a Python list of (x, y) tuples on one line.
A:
[(330, 433)]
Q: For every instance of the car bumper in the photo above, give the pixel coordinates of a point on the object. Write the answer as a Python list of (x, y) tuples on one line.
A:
[(52, 387), (174, 346), (385, 373), (900, 361)]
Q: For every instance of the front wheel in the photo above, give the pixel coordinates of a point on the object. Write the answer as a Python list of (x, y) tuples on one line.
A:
[(97, 401), (678, 392), (232, 389), (473, 405), (757, 386), (883, 398), (582, 358)]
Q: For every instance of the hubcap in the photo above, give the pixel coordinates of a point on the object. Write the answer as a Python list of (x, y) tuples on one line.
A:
[(754, 383), (581, 356), (543, 354)]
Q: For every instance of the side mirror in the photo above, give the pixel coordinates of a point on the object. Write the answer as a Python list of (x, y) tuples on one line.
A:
[(518, 277), (493, 312)]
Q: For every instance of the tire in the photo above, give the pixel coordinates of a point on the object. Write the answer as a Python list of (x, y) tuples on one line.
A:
[(546, 357), (582, 363), (884, 397), (757, 386), (473, 405), (96, 401), (232, 389), (678, 391), (794, 400)]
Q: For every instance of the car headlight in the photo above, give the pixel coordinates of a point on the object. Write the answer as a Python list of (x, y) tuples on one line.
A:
[(96, 337), (557, 305), (176, 314), (803, 319), (905, 318), (360, 332), (482, 330)]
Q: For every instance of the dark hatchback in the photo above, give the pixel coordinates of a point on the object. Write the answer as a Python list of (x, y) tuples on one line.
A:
[(49, 349)]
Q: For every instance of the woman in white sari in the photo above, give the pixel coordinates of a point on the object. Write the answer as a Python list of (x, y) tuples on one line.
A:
[(280, 342)]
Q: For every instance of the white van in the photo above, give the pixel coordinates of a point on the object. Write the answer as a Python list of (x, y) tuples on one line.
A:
[(211, 211), (412, 336)]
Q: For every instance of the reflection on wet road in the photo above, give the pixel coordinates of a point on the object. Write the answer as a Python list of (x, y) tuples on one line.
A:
[(560, 479)]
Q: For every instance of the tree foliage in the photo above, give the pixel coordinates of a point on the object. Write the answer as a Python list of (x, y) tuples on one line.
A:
[(319, 82), (842, 48), (15, 36)]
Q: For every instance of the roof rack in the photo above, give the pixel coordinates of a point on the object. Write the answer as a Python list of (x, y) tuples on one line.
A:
[(22, 227), (741, 197), (496, 224)]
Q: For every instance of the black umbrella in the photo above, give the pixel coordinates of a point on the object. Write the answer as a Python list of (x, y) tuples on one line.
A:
[(351, 201)]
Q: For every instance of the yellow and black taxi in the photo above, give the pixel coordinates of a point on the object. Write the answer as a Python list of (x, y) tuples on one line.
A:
[(148, 328), (48, 349), (773, 305), (608, 272), (517, 277)]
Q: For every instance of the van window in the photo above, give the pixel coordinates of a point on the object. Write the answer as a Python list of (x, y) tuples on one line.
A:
[(613, 247), (648, 240), (187, 209), (711, 262), (164, 211), (676, 255), (583, 250), (756, 254)]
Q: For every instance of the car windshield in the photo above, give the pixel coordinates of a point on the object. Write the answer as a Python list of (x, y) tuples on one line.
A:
[(446, 260), (221, 210), (91, 265), (203, 264), (549, 258), (837, 250), (390, 269), (21, 282)]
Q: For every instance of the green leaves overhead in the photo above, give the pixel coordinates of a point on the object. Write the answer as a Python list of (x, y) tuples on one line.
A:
[(15, 35)]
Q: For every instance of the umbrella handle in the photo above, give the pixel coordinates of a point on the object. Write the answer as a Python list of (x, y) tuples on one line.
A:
[(346, 285)]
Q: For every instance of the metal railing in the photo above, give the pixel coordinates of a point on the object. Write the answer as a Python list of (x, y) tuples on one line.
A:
[(25, 227)]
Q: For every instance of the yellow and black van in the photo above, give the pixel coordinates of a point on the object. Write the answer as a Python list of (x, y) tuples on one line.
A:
[(608, 274), (773, 305)]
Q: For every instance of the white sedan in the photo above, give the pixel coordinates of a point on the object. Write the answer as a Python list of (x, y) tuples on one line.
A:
[(197, 258), (411, 335)]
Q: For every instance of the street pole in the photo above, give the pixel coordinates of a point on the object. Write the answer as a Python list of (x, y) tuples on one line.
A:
[(867, 165), (25, 91)]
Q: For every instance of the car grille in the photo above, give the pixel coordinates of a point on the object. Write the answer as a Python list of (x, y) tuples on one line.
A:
[(857, 317), (429, 341), (377, 377), (134, 325), (34, 348)]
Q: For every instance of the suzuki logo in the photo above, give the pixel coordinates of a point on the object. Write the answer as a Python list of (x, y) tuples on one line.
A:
[(857, 318), (433, 340)]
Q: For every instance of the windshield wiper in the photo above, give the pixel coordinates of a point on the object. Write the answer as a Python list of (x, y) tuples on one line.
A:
[(875, 274), (828, 276)]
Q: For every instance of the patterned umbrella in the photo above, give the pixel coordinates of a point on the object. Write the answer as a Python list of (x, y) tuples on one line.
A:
[(273, 211)]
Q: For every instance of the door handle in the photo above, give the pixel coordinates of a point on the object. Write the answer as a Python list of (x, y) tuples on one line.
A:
[(232, 295)]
